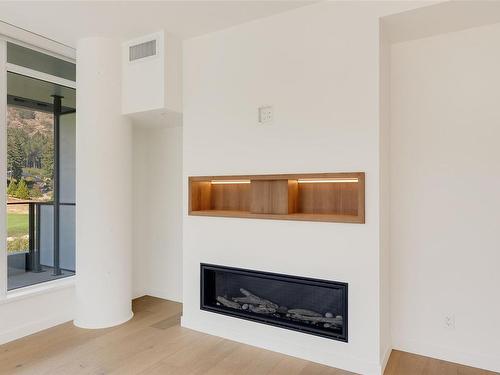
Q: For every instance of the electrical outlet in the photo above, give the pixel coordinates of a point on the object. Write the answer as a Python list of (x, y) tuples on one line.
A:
[(449, 321), (265, 114)]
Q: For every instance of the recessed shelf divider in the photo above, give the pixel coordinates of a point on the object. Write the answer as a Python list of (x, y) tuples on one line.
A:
[(335, 197)]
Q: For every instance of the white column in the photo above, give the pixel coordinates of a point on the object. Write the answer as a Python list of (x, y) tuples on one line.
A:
[(103, 188)]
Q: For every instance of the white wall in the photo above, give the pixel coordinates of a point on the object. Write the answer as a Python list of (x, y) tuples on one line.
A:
[(152, 95), (157, 166), (140, 171), (384, 196), (445, 184), (28, 311), (319, 67)]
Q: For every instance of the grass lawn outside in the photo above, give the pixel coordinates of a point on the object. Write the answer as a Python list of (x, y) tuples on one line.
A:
[(17, 224)]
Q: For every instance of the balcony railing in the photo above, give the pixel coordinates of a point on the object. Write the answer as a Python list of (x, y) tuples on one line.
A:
[(35, 247)]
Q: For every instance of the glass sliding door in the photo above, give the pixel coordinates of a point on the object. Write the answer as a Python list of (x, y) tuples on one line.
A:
[(40, 170)]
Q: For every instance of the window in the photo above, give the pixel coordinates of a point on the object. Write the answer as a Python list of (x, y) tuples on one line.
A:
[(41, 125), (28, 58)]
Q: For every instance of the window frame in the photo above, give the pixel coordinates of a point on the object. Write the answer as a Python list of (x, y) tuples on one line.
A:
[(11, 34)]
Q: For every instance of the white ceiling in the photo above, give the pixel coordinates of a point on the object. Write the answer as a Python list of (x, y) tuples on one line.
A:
[(68, 21)]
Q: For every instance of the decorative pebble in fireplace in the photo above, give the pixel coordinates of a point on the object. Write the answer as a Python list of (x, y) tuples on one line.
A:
[(313, 306)]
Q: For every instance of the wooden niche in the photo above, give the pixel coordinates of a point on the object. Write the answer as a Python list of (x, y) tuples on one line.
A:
[(335, 197)]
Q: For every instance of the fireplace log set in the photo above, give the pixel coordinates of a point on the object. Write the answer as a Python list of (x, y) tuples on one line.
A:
[(258, 305)]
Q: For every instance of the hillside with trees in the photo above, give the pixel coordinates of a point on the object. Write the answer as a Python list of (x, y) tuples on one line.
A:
[(30, 153)]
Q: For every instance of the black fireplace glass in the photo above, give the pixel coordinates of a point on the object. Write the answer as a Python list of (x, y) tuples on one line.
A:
[(312, 306)]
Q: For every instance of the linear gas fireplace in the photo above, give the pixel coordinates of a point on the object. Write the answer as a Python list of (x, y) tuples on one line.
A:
[(317, 307)]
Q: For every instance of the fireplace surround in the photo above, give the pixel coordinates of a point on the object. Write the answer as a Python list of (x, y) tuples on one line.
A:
[(312, 306)]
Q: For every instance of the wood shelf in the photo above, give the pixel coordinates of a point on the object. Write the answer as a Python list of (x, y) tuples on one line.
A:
[(331, 197)]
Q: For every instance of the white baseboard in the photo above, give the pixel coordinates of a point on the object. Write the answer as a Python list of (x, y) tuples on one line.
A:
[(429, 349), (138, 294), (385, 360), (163, 295), (33, 327)]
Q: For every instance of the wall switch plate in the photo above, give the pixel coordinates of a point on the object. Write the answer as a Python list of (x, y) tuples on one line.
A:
[(265, 114), (449, 322)]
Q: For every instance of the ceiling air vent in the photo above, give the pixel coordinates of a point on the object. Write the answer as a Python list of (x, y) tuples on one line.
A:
[(142, 50)]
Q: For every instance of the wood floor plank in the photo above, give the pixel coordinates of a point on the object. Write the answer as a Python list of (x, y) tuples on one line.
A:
[(413, 364), (153, 342), (289, 366)]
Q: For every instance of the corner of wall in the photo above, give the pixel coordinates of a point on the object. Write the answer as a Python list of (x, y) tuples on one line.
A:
[(384, 197), (173, 72), (157, 237)]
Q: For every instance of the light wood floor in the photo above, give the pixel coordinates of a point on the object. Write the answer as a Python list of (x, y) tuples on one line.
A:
[(154, 343)]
